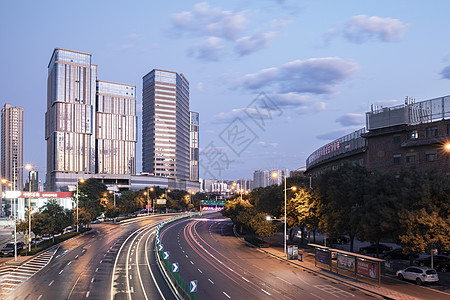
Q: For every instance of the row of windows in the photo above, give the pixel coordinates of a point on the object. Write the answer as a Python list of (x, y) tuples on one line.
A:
[(429, 132), (413, 158)]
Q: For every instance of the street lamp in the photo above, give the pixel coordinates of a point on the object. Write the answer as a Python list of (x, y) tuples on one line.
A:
[(294, 188), (78, 181)]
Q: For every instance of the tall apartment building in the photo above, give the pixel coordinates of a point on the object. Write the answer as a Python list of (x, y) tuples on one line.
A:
[(116, 128), (12, 145), (165, 125), (84, 137), (194, 151), (260, 178)]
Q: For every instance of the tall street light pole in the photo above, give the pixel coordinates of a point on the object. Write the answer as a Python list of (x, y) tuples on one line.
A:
[(274, 175)]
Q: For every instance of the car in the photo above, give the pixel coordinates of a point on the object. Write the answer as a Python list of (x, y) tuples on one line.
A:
[(397, 254), (372, 249), (8, 250), (440, 262), (418, 274), (46, 237)]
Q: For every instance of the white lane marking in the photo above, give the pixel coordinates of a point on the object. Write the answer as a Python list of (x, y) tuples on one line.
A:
[(61, 271), (87, 294), (186, 256), (212, 282), (92, 280), (57, 256), (96, 270), (69, 262), (266, 292), (200, 271), (192, 262), (76, 257), (39, 298), (245, 279), (131, 276), (226, 295), (101, 261), (132, 290), (51, 283)]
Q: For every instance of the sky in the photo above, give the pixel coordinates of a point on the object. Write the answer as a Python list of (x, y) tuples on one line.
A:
[(272, 80)]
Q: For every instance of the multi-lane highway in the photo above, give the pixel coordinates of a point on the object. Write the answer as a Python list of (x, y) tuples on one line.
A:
[(208, 252), (109, 262)]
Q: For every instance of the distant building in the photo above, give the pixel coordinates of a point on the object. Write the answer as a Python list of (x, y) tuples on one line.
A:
[(412, 135), (260, 178), (12, 145), (165, 125), (194, 144)]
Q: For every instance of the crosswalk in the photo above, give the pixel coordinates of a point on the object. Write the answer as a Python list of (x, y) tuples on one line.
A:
[(11, 277)]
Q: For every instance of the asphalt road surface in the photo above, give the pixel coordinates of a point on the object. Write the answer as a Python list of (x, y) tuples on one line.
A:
[(109, 262), (208, 252)]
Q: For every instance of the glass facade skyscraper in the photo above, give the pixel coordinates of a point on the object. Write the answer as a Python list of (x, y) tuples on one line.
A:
[(165, 124), (90, 126)]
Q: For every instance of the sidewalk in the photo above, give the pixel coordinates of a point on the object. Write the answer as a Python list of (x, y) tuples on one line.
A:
[(276, 250)]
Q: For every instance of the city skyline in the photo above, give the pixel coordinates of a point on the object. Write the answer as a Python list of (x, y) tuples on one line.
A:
[(318, 65)]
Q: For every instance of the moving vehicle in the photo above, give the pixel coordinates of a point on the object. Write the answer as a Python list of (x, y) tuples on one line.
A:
[(8, 250), (418, 274)]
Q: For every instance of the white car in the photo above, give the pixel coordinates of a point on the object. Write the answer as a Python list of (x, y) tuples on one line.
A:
[(418, 274)]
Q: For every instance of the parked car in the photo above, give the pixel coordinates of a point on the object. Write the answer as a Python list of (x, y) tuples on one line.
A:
[(8, 250), (440, 262), (372, 249), (397, 254), (46, 237), (418, 274)]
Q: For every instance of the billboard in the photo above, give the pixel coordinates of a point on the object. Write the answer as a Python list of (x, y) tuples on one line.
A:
[(161, 201), (323, 257), (346, 262), (367, 269), (19, 194)]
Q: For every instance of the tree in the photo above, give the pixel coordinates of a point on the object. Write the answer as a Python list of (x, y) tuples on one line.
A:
[(60, 218), (269, 200), (297, 211), (341, 194), (261, 226), (90, 195)]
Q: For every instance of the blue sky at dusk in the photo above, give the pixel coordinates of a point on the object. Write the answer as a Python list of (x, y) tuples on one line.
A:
[(272, 80)]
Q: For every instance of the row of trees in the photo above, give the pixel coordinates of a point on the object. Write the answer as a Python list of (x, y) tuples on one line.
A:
[(410, 208)]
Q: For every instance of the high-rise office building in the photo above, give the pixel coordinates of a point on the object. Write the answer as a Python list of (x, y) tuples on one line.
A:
[(165, 124), (90, 126), (194, 153), (12, 145), (115, 128)]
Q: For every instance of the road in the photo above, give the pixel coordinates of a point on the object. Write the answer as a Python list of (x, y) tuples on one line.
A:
[(110, 262), (208, 252)]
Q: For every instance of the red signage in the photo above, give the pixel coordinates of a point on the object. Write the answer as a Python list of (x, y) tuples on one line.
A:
[(368, 269), (46, 195)]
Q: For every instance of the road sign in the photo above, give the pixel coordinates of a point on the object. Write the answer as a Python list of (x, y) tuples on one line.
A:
[(157, 241), (213, 202), (174, 267), (166, 255), (193, 286), (160, 247)]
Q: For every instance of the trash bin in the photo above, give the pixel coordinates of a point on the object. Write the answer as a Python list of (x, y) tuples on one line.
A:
[(300, 257)]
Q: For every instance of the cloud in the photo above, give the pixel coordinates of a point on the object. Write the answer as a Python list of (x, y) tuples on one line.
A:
[(314, 75), (388, 103), (211, 50), (267, 145), (210, 21), (351, 119), (250, 44), (445, 73), (362, 28)]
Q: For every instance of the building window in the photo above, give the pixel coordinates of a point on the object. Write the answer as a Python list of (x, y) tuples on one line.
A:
[(397, 158), (432, 131), (412, 135), (431, 156), (410, 159), (397, 139)]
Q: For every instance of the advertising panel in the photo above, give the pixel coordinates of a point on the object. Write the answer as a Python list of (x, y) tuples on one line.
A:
[(367, 269), (346, 262), (323, 257), (161, 201)]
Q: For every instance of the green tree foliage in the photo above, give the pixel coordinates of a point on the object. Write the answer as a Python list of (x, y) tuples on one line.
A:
[(268, 200), (300, 212), (90, 195), (341, 192), (261, 226), (425, 222)]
